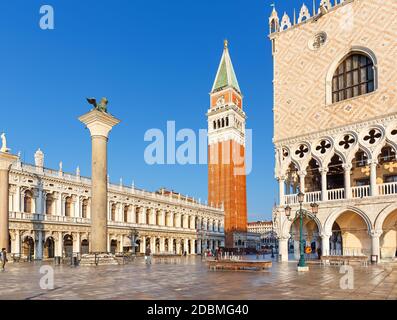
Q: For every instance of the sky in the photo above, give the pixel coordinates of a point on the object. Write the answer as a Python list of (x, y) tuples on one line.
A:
[(155, 61)]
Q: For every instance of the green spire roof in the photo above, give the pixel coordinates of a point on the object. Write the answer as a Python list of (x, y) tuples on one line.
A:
[(225, 77)]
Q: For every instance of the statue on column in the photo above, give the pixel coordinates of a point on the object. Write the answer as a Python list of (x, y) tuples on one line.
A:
[(102, 106), (4, 143)]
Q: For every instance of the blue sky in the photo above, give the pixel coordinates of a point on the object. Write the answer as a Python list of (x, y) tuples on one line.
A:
[(155, 61)]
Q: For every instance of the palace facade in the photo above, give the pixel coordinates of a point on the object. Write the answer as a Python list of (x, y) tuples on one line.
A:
[(49, 216), (335, 126)]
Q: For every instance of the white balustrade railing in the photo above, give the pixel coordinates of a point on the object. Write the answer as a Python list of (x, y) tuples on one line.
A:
[(336, 194), (313, 196), (387, 188), (291, 199), (361, 191)]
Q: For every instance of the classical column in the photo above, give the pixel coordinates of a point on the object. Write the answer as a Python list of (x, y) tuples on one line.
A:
[(142, 244), (192, 246), (99, 123), (324, 192), (59, 245), (59, 204), (17, 199), (302, 175), (281, 190), (39, 200), (39, 245), (283, 248), (374, 188), (76, 242), (17, 243), (199, 246), (162, 245), (153, 244), (121, 241), (375, 248), (171, 245), (178, 246), (348, 189), (325, 244), (6, 160)]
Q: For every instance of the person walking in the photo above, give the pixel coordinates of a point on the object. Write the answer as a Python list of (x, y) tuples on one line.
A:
[(3, 259), (148, 255)]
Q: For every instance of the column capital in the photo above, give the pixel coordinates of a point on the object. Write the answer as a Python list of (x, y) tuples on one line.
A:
[(325, 235), (302, 173), (375, 233), (280, 178), (324, 170), (6, 160), (373, 162), (347, 166), (99, 123)]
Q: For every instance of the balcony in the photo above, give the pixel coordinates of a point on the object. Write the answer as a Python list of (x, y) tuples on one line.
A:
[(360, 192)]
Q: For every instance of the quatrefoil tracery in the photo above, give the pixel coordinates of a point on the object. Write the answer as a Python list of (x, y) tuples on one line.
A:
[(324, 146), (373, 136), (394, 132), (347, 141), (302, 151)]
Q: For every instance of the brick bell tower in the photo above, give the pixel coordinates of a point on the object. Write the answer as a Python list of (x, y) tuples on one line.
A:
[(226, 152)]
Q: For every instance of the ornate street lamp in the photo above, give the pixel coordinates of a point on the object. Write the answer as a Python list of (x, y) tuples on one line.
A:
[(301, 213)]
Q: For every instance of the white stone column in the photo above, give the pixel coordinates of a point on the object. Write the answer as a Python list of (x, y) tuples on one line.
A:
[(199, 245), (374, 187), (59, 204), (281, 190), (192, 246), (17, 243), (325, 244), (17, 199), (162, 245), (153, 244), (142, 245), (59, 245), (76, 242), (99, 123), (162, 218), (171, 245), (108, 242), (302, 175), (324, 191), (283, 248), (375, 247), (121, 241), (6, 160), (348, 189), (39, 201), (178, 246), (38, 252)]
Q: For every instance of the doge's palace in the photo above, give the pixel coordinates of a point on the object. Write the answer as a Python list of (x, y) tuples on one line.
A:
[(49, 216), (335, 126)]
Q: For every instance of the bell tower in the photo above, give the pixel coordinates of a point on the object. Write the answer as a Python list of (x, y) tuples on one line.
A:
[(226, 151)]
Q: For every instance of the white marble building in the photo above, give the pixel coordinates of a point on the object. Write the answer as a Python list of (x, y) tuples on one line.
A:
[(49, 213)]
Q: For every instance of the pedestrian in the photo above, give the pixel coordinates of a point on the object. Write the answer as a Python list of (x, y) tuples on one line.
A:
[(319, 253), (3, 258), (148, 255)]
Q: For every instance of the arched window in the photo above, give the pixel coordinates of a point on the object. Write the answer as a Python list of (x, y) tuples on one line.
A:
[(214, 125), (68, 207), (28, 199), (353, 77), (227, 121), (126, 209), (219, 123), (223, 122), (48, 204), (84, 208), (113, 212)]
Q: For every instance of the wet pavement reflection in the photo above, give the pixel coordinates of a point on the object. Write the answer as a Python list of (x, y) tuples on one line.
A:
[(189, 278)]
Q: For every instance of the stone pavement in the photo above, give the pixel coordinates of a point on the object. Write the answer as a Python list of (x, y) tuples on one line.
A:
[(188, 278)]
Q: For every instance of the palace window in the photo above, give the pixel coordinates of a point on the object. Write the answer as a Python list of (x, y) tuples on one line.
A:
[(353, 77)]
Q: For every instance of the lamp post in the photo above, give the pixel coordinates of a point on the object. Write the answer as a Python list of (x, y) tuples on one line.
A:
[(301, 213)]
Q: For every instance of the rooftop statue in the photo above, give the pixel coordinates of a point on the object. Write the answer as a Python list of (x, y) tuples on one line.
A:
[(102, 106), (4, 143)]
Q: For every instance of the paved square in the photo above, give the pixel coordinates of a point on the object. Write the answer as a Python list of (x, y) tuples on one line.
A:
[(188, 278)]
